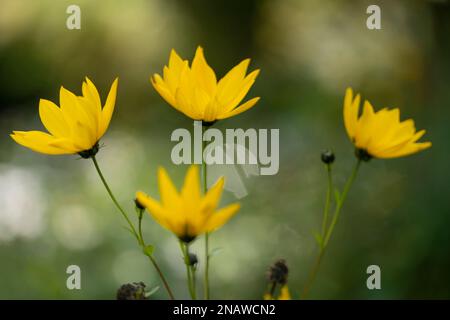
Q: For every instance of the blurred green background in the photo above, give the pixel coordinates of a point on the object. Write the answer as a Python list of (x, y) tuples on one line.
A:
[(54, 211)]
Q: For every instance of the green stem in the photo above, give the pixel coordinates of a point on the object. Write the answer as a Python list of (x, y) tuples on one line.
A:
[(137, 235), (327, 202), (341, 201), (205, 189), (132, 229), (330, 230), (189, 272), (313, 274), (152, 259)]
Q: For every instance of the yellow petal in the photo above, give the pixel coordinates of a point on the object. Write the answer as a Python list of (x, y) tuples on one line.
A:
[(39, 142), (405, 151), (167, 191), (351, 109), (160, 86), (220, 217), (92, 113), (108, 108), (69, 108), (53, 119), (191, 188), (267, 296), (211, 200), (364, 127), (203, 74), (155, 209), (242, 108), (244, 87), (90, 92), (185, 98), (284, 293), (172, 73), (230, 85)]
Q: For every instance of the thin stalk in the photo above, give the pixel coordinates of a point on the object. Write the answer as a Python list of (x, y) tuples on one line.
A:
[(152, 259), (330, 230), (341, 201), (113, 198), (327, 202), (190, 278), (205, 189), (137, 235)]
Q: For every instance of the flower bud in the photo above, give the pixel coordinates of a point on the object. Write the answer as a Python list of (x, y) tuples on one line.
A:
[(193, 260), (138, 204), (132, 291), (278, 272), (327, 156)]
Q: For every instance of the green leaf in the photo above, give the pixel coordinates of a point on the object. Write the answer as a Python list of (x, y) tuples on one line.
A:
[(151, 292), (148, 250)]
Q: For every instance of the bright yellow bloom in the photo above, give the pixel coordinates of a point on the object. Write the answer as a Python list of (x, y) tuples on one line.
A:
[(380, 134), (195, 91), (188, 213), (75, 126), (284, 294)]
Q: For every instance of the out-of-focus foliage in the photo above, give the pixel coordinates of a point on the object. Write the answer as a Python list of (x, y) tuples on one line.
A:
[(55, 212)]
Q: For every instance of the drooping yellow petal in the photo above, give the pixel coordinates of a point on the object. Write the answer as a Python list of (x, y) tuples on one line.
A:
[(155, 209), (39, 142), (405, 151), (242, 108)]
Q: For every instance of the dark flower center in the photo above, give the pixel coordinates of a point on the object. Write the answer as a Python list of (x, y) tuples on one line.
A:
[(89, 153), (362, 154)]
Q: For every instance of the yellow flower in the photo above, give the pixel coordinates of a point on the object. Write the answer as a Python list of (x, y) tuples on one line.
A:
[(195, 91), (75, 126), (187, 213), (284, 294), (380, 134)]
